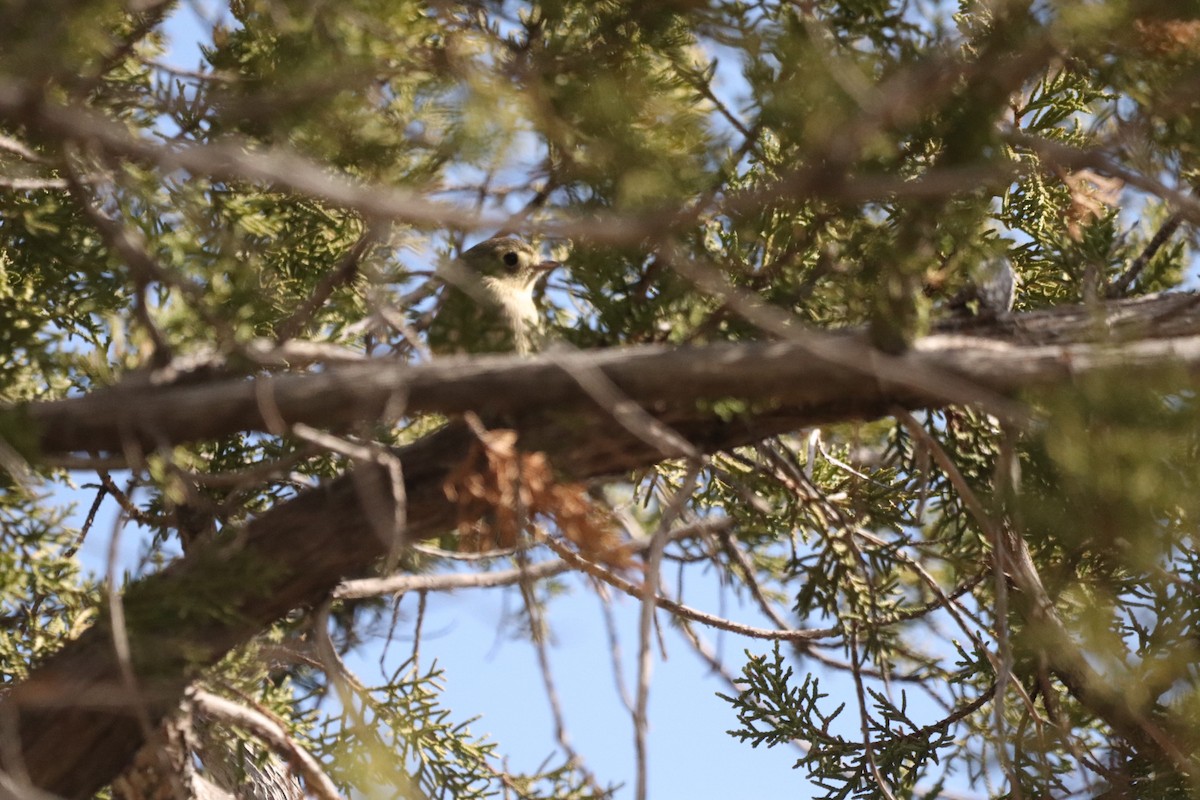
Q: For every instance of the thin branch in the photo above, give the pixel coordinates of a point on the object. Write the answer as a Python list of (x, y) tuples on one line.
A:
[(256, 475), (746, 568), (295, 354), (635, 590), (191, 74), (19, 148), (1005, 464), (614, 647), (400, 584), (1120, 287), (625, 412), (537, 624), (101, 491), (274, 735), (864, 715), (32, 184), (990, 527), (389, 527), (648, 595)]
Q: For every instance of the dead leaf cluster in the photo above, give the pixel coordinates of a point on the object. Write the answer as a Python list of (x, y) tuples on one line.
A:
[(1166, 37), (1092, 195), (499, 490)]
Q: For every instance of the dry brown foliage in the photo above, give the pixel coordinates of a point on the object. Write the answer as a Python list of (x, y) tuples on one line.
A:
[(1168, 37), (499, 490), (1092, 195)]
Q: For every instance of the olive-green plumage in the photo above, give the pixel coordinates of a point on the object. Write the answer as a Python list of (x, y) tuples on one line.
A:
[(488, 304)]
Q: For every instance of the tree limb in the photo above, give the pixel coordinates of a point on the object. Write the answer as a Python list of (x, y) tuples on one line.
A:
[(816, 377)]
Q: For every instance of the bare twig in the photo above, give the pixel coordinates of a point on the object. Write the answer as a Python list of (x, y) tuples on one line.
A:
[(399, 584), (388, 517), (614, 647), (624, 411), (273, 734), (1120, 287), (649, 594), (299, 353), (864, 715), (538, 626), (821, 346), (32, 184), (101, 491), (21, 149)]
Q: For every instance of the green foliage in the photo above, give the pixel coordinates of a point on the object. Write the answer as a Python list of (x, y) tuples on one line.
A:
[(399, 736), (44, 598), (772, 711), (847, 163)]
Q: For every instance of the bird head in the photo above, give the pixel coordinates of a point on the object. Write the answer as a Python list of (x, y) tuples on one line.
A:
[(490, 300), (508, 260)]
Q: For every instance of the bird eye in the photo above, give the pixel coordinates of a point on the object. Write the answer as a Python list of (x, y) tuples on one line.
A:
[(511, 258)]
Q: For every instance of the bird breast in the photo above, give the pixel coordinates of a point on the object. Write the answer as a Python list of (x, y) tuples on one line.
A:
[(515, 302)]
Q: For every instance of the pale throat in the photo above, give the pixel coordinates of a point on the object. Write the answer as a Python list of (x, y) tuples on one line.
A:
[(514, 299)]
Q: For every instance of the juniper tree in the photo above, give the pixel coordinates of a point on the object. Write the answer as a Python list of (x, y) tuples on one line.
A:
[(217, 283)]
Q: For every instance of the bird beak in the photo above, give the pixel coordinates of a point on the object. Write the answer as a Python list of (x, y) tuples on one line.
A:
[(547, 266)]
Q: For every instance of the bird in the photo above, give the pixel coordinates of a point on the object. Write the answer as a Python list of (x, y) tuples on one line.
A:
[(996, 286), (992, 292), (489, 305)]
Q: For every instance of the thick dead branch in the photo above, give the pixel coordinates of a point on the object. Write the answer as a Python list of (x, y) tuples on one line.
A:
[(816, 377)]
